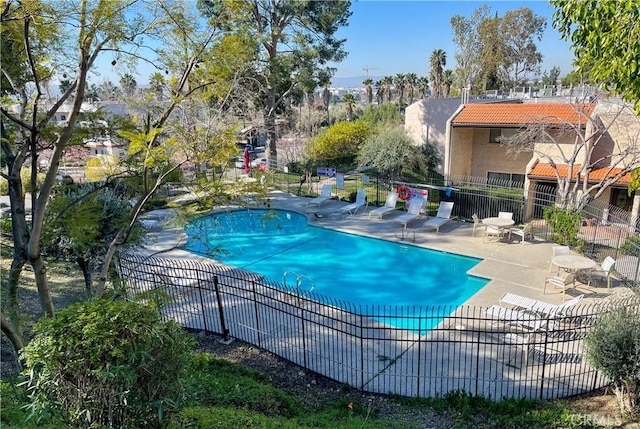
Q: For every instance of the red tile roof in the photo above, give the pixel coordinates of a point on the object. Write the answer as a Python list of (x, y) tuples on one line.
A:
[(545, 171), (511, 114)]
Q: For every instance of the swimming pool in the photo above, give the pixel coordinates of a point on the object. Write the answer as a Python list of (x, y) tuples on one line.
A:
[(352, 268)]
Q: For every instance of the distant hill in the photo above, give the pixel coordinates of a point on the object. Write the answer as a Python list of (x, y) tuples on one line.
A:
[(350, 82)]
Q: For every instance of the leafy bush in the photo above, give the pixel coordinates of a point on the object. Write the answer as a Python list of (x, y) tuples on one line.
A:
[(613, 347), (631, 246), (106, 363), (565, 224)]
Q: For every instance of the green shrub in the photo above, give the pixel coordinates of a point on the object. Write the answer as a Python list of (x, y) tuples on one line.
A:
[(107, 364), (613, 347), (565, 224), (4, 186), (217, 382), (631, 246)]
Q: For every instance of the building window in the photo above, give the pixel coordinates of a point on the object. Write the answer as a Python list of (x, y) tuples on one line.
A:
[(62, 117), (510, 180)]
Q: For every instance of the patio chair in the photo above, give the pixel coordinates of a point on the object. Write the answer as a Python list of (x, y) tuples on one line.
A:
[(413, 211), (605, 268), (521, 341), (325, 195), (526, 320), (389, 205), (535, 306), (442, 217), (564, 281), (506, 215), (524, 232), (476, 223), (557, 251), (361, 200)]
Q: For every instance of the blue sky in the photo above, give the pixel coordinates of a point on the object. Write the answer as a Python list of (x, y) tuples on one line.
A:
[(392, 37)]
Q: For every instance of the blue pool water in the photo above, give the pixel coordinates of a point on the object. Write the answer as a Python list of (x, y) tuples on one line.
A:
[(355, 269)]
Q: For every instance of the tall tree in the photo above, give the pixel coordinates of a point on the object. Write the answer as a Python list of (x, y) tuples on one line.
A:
[(491, 52), (43, 31), (550, 78), (293, 36), (156, 85), (380, 91), (468, 54), (411, 80), (447, 81), (605, 37), (519, 30), (423, 86), (349, 101), (128, 84), (368, 90), (398, 81), (437, 61)]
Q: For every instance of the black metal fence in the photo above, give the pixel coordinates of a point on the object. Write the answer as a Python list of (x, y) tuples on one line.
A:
[(407, 351)]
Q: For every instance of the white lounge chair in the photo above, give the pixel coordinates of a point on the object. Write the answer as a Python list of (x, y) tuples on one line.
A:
[(523, 319), (443, 216), (325, 195), (361, 197), (540, 307), (413, 211), (389, 205)]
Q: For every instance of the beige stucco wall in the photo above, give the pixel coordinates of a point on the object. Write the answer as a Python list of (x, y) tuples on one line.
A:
[(622, 141), (473, 155), (427, 119)]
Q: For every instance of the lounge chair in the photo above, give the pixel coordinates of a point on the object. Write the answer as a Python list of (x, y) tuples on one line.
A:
[(361, 197), (325, 195), (389, 205), (539, 307), (443, 216), (520, 318), (413, 211)]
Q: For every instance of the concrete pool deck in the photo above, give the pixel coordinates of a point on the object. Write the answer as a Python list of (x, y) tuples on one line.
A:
[(511, 266)]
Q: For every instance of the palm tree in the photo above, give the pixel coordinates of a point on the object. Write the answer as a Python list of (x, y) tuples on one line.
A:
[(128, 84), (368, 91), (386, 82), (380, 91), (447, 80), (422, 84), (156, 84), (398, 80), (349, 101), (411, 80), (437, 62)]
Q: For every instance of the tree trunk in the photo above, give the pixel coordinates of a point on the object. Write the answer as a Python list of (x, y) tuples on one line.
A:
[(15, 337), (86, 274)]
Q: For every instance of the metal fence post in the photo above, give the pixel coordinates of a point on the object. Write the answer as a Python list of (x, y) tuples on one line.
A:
[(225, 331)]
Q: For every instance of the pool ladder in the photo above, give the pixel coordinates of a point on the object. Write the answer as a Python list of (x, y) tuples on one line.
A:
[(299, 279)]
